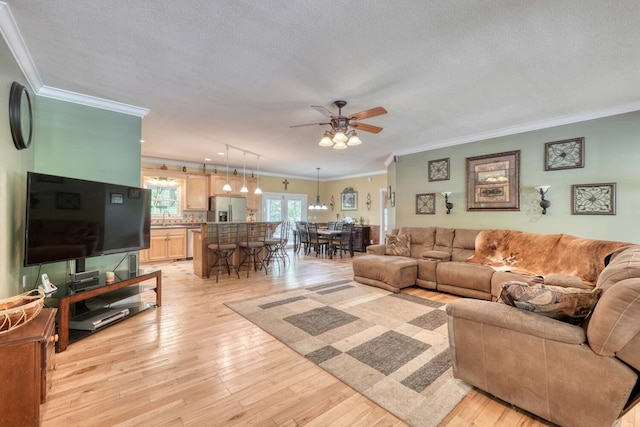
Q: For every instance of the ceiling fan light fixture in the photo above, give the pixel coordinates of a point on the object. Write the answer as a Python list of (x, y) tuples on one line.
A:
[(339, 137), (340, 146), (326, 140), (354, 140)]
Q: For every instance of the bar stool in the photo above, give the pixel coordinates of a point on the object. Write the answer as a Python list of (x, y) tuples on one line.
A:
[(276, 244), (223, 242), (252, 244)]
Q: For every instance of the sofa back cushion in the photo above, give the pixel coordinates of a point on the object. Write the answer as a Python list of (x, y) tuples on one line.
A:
[(422, 239), (464, 244), (444, 239)]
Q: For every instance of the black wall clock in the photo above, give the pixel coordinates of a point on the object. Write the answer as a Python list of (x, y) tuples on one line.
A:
[(20, 116)]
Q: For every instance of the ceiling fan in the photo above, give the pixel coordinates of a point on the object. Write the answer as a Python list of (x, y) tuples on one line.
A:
[(343, 128)]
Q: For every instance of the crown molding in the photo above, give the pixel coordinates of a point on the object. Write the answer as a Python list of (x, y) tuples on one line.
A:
[(527, 127), (91, 101), (15, 42)]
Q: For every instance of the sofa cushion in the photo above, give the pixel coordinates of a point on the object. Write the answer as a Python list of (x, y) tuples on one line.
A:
[(444, 239), (436, 255), (422, 239), (399, 245), (570, 305), (564, 280), (464, 243)]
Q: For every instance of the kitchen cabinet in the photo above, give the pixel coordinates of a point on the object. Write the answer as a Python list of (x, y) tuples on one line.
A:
[(26, 357), (218, 181), (167, 244), (197, 192)]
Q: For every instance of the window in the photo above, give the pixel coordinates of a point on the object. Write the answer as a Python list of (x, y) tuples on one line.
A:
[(166, 196)]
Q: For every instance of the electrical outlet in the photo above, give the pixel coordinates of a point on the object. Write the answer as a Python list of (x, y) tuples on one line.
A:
[(24, 281)]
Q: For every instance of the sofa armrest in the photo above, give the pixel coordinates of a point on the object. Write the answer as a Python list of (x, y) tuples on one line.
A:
[(376, 249), (515, 319)]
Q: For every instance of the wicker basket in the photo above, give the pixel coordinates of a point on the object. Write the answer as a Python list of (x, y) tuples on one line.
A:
[(20, 309)]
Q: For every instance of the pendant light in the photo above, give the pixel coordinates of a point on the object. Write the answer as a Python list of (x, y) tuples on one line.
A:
[(258, 190), (244, 188), (227, 187), (318, 206)]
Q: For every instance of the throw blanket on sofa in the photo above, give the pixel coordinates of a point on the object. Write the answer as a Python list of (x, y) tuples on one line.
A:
[(542, 254)]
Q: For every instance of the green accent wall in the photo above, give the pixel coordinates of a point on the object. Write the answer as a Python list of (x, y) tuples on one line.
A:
[(612, 155), (86, 142), (69, 140), (13, 167)]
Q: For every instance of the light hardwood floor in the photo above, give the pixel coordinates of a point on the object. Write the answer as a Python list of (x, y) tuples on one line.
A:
[(195, 362)]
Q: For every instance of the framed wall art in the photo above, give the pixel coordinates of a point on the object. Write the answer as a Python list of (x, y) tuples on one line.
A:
[(593, 199), (426, 204), (438, 169), (493, 182), (565, 154), (350, 201)]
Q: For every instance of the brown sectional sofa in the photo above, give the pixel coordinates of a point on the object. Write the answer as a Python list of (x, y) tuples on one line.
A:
[(447, 260), (572, 375)]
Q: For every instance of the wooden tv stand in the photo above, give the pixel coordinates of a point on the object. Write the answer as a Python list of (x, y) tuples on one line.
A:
[(119, 290)]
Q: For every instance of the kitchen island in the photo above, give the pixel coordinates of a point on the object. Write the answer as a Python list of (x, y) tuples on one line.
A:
[(202, 260)]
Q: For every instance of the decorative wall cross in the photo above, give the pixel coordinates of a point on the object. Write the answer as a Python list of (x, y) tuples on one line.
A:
[(285, 182)]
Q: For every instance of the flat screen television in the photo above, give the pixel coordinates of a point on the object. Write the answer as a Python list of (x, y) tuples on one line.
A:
[(69, 218)]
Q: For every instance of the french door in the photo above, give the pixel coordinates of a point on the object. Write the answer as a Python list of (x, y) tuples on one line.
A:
[(284, 207)]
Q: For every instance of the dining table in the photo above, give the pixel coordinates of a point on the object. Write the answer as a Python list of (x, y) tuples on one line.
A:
[(330, 235)]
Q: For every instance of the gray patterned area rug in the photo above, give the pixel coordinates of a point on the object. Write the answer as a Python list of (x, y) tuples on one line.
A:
[(392, 348)]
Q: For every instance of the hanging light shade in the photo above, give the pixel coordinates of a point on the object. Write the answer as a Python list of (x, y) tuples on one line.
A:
[(339, 137), (340, 146), (326, 140), (354, 140), (227, 186), (318, 206), (258, 190), (244, 188)]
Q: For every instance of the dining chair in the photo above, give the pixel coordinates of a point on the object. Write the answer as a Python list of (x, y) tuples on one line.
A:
[(305, 242), (223, 242), (343, 242), (252, 243), (320, 244)]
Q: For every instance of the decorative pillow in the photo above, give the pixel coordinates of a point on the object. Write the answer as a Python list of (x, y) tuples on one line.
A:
[(437, 255), (399, 245), (571, 305)]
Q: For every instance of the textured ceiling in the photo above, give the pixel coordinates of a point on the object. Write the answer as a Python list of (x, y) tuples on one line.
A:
[(241, 72)]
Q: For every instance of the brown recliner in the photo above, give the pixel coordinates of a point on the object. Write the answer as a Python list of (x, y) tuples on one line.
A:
[(570, 375)]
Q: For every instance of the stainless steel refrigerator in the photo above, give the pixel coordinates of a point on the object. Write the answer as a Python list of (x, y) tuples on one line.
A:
[(227, 209)]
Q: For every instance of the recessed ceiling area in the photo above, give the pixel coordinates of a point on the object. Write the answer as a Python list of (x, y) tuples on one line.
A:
[(242, 72)]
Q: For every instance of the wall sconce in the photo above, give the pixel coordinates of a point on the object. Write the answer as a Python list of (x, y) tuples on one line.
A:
[(544, 204), (368, 201), (332, 204), (447, 203)]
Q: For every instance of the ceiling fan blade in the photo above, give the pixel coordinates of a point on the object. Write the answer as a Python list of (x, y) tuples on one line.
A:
[(309, 124), (324, 111), (378, 111), (365, 127)]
